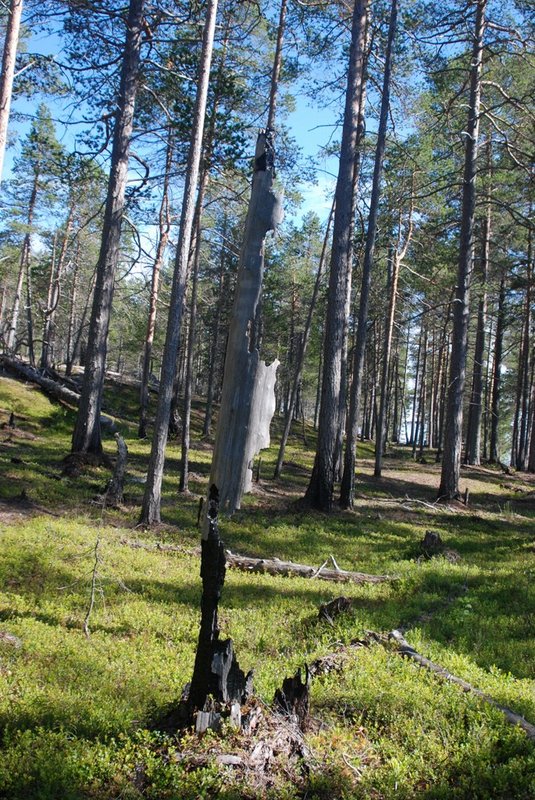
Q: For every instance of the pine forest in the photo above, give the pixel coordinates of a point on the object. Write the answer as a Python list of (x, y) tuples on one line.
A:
[(267, 399)]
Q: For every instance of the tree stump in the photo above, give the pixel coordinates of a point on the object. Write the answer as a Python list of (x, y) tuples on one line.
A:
[(216, 672), (114, 492), (293, 698), (432, 544)]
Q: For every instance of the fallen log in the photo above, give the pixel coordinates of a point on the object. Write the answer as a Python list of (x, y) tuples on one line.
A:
[(273, 566), (33, 375), (51, 387), (405, 649)]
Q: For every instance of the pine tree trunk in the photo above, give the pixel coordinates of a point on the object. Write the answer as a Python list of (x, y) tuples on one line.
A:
[(70, 354), (389, 327), (522, 447), (150, 511), (164, 225), (54, 291), (11, 339), (302, 352), (347, 489), (8, 71), (188, 382), (86, 436), (494, 455), (453, 434), (210, 392), (423, 399), (473, 443), (320, 490)]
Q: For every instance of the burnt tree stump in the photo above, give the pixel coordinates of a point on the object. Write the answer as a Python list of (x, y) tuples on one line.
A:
[(216, 671), (293, 698)]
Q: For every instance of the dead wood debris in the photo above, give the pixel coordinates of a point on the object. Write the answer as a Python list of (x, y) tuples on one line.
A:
[(432, 545), (269, 752), (405, 649), (334, 661), (273, 566), (10, 639)]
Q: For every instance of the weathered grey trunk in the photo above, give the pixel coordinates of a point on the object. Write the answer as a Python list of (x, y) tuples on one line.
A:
[(320, 490), (347, 489), (164, 226), (453, 433), (248, 398), (8, 71), (150, 511), (86, 435)]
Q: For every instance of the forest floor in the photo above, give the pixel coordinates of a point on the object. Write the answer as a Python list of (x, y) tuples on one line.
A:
[(79, 715)]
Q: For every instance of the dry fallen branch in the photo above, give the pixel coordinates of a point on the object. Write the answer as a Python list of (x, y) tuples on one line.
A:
[(404, 649), (333, 661)]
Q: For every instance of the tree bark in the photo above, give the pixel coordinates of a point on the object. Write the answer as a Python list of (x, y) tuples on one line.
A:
[(381, 423), (164, 224), (302, 353), (347, 489), (320, 490), (473, 443), (524, 370), (8, 71), (150, 511), (210, 391), (247, 401), (396, 257), (188, 383), (11, 338), (54, 291), (86, 435), (451, 459)]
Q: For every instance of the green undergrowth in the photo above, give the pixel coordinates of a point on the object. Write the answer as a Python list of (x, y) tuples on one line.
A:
[(79, 715)]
